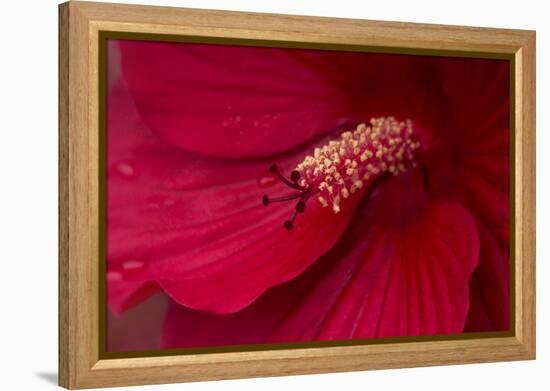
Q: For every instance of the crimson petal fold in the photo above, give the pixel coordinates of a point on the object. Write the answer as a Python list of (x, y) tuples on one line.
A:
[(195, 225), (401, 269)]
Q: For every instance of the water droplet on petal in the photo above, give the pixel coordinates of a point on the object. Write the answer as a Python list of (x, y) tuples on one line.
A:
[(266, 181), (114, 276), (132, 265), (125, 169)]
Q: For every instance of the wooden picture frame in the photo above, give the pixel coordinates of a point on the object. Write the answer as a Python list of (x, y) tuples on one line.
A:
[(81, 364)]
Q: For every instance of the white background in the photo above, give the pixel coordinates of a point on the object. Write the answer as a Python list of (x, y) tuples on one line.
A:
[(28, 194)]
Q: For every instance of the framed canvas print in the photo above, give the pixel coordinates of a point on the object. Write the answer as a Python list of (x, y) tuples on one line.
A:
[(251, 195)]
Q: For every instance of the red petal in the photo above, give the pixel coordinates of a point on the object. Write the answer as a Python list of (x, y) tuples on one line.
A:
[(138, 328), (487, 111), (484, 182), (401, 269), (471, 163), (490, 285), (416, 258), (246, 101), (196, 225)]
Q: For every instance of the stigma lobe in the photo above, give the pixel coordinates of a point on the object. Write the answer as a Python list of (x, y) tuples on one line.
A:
[(301, 193)]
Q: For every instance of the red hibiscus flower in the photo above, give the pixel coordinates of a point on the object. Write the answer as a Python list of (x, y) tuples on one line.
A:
[(284, 195)]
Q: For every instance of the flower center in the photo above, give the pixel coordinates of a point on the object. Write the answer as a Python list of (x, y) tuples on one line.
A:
[(341, 167)]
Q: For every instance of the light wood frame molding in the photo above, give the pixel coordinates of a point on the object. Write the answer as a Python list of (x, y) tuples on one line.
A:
[(80, 23)]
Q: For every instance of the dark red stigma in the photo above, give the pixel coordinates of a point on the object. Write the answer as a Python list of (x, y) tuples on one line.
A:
[(302, 194)]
